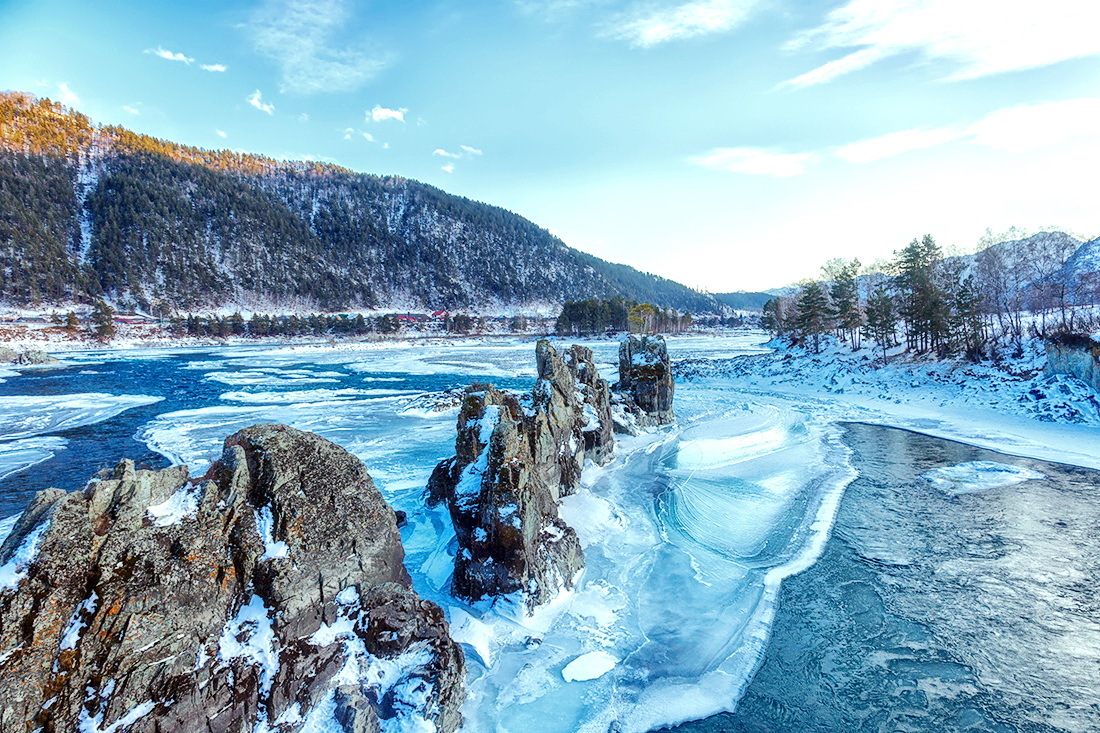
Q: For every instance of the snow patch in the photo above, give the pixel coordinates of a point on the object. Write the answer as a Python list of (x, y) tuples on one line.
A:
[(183, 504), (590, 666)]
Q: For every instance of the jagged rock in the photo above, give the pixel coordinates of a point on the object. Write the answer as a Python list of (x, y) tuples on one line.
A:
[(35, 356), (514, 458), (595, 397), (9, 355), (646, 383), (272, 586)]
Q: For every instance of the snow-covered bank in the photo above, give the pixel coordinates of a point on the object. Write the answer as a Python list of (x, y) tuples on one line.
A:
[(1009, 407)]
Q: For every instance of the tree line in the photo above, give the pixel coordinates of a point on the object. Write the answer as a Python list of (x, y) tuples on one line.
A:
[(943, 305), (595, 316)]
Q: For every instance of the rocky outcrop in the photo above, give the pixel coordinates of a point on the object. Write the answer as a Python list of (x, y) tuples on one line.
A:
[(9, 355), (269, 591), (1078, 357), (515, 456), (645, 386)]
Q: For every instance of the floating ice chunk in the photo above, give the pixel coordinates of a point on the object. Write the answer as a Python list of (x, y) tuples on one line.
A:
[(590, 666), (15, 569), (19, 455), (293, 396), (184, 504), (249, 636), (265, 523), (22, 416), (979, 476)]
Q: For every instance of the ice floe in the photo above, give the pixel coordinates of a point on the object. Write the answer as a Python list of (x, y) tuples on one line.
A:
[(979, 476), (23, 416)]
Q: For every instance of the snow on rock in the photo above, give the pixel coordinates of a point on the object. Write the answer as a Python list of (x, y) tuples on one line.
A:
[(979, 476), (15, 569), (183, 504), (590, 666), (249, 636)]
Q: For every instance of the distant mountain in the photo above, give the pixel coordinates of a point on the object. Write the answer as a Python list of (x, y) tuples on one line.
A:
[(87, 211), (744, 300)]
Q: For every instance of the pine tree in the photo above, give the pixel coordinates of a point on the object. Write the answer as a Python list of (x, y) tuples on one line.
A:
[(813, 314), (882, 322), (103, 321)]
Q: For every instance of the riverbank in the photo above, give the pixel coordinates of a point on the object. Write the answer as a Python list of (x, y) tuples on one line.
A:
[(938, 607)]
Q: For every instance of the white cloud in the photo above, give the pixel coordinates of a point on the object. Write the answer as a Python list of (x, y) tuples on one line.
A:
[(67, 96), (221, 133), (1032, 126), (647, 25), (131, 109), (215, 67), (464, 151), (379, 114), (449, 167), (303, 117), (170, 55), (896, 143), (348, 132), (1018, 129), (301, 37), (756, 161), (256, 100), (368, 137), (976, 37)]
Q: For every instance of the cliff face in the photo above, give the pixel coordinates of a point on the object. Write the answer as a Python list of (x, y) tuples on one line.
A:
[(645, 382), (514, 458), (1080, 359), (269, 591)]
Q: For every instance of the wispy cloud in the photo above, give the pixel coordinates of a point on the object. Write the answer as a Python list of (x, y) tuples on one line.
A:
[(973, 36), (170, 55), (368, 137), (756, 161), (132, 109), (1027, 127), (215, 67), (67, 96), (449, 167), (380, 114), (464, 151), (256, 100), (221, 133), (647, 25), (897, 143), (301, 36)]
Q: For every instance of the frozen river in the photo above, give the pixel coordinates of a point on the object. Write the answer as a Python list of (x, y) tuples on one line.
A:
[(687, 534)]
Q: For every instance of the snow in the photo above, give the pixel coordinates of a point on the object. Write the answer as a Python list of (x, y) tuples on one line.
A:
[(182, 504), (979, 476), (469, 483), (25, 416), (78, 621), (590, 666), (265, 523), (90, 724), (249, 636), (15, 569)]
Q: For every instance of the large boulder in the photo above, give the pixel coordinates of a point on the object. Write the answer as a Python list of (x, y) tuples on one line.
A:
[(645, 382), (269, 591), (515, 457)]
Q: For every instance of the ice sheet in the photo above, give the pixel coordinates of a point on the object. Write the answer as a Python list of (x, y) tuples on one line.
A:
[(25, 416), (19, 455)]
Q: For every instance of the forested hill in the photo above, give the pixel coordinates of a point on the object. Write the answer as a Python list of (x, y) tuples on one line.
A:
[(88, 211)]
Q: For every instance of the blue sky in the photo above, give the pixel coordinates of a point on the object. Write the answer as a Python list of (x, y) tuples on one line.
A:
[(727, 144)]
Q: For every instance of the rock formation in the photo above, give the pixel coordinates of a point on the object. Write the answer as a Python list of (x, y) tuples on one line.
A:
[(269, 592), (645, 384), (515, 456), (28, 357)]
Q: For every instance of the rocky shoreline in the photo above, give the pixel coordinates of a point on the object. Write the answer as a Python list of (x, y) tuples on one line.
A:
[(937, 605)]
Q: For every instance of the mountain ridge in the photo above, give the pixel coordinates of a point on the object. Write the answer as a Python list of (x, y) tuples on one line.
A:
[(89, 211)]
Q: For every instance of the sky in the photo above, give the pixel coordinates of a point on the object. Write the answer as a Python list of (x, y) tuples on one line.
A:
[(726, 144)]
